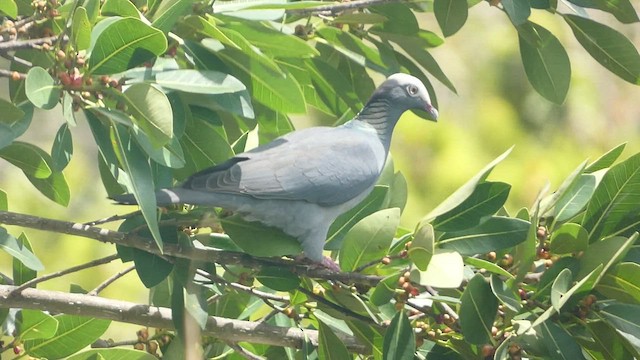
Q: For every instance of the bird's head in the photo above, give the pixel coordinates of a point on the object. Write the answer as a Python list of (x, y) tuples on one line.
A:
[(408, 93)]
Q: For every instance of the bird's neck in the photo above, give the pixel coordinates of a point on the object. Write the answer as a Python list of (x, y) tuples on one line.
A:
[(380, 114)]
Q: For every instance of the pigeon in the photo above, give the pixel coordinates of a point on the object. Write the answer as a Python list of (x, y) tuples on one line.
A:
[(302, 181)]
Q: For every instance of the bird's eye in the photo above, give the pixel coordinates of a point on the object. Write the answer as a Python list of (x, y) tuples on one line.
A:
[(412, 90)]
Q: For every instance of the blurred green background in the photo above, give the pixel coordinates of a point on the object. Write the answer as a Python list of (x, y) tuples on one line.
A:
[(494, 109)]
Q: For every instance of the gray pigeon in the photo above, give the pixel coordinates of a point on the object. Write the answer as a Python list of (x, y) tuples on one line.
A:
[(301, 182)]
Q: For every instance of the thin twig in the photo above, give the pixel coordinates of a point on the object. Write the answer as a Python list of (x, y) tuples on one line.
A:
[(110, 280), (70, 270), (444, 306), (244, 352), (337, 307), (113, 218), (361, 268), (244, 288), (27, 44), (9, 74)]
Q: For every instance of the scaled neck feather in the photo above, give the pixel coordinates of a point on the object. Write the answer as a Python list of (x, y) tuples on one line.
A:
[(380, 114)]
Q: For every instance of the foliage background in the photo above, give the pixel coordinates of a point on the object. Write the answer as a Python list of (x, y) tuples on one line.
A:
[(495, 108)]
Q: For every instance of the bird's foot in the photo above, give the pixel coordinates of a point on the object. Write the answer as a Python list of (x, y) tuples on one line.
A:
[(328, 263)]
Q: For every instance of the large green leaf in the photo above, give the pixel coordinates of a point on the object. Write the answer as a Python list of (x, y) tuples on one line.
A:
[(21, 272), (545, 61), (54, 187), (574, 200), (136, 165), (199, 81), (62, 148), (451, 15), (369, 239), (399, 18), (493, 234), (504, 294), (35, 324), (569, 238), (610, 48), (622, 282), (119, 8), (272, 41), (465, 190), (605, 160), (330, 347), (9, 8), (278, 278), (615, 205), (607, 253), (445, 270), (168, 13), (113, 354), (372, 203), (518, 11), (73, 334), (32, 160), (10, 112), (560, 344), (621, 9), (10, 245), (399, 340), (124, 43), (152, 111), (41, 89), (151, 268), (259, 240), (486, 199), (81, 29), (422, 246), (477, 311), (625, 318)]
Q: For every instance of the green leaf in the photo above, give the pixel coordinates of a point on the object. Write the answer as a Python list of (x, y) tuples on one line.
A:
[(10, 112), (422, 246), (81, 29), (615, 204), (518, 11), (494, 234), (477, 311), (621, 9), (560, 286), (122, 8), (18, 251), (606, 341), (136, 165), (399, 18), (384, 290), (29, 158), (369, 239), (605, 160), (4, 203), (35, 324), (465, 190), (113, 354), (54, 187), (607, 253), (9, 8), (22, 273), (451, 15), (545, 61), (151, 269), (73, 334), (169, 12), (199, 81), (505, 294), (123, 44), (625, 318), (41, 89), (622, 282), (272, 41), (170, 155), (278, 278), (62, 148), (574, 200), (399, 340), (258, 239), (487, 198), (488, 266), (445, 270), (329, 345), (559, 343), (607, 46), (372, 203), (151, 109), (569, 238)]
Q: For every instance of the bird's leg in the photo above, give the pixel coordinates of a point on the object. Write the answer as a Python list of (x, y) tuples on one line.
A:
[(330, 264)]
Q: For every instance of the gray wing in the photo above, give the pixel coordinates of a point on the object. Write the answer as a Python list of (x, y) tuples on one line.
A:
[(326, 166)]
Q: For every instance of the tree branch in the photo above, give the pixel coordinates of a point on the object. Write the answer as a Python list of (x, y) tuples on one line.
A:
[(225, 329), (26, 44), (196, 254)]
